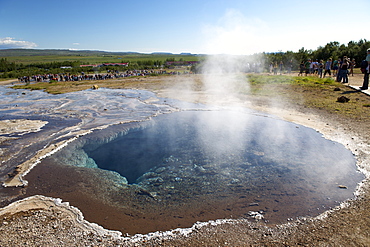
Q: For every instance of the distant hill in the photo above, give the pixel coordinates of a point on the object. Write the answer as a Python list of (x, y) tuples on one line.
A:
[(57, 52), (66, 52), (162, 53)]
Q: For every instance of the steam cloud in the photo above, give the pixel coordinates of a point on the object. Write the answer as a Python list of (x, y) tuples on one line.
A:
[(236, 34)]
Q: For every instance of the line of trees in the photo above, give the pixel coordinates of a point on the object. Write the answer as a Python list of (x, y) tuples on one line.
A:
[(6, 66), (16, 70), (334, 50)]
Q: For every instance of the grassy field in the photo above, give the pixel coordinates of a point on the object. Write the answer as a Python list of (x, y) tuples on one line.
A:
[(86, 57), (98, 59)]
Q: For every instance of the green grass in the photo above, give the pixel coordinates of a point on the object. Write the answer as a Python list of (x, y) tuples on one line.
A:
[(312, 92), (282, 79), (98, 59), (313, 81), (263, 79)]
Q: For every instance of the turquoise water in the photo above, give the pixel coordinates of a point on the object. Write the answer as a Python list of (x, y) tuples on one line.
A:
[(245, 160), (225, 140)]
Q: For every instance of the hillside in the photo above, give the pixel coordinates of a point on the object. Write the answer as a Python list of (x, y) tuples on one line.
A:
[(57, 52), (66, 52)]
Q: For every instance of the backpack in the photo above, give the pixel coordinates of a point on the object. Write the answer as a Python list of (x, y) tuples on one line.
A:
[(363, 66)]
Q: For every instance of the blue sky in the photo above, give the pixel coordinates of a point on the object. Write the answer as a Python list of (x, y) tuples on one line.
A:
[(196, 26)]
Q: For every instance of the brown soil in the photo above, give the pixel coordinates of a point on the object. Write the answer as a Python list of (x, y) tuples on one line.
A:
[(347, 225)]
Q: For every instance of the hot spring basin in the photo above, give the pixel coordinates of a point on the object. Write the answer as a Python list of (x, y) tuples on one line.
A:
[(191, 166)]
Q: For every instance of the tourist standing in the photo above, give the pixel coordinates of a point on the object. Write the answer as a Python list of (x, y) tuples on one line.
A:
[(301, 69), (312, 67), (307, 66), (290, 66), (281, 67), (316, 66), (271, 67), (275, 68), (328, 64), (320, 68), (343, 71), (352, 65), (339, 64), (335, 67), (365, 84)]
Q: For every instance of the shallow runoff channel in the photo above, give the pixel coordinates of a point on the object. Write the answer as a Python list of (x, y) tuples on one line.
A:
[(146, 164)]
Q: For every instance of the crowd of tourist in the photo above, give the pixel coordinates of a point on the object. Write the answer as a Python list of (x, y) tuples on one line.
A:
[(85, 77), (340, 68)]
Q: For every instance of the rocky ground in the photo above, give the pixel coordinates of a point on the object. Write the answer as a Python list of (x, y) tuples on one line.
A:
[(43, 221)]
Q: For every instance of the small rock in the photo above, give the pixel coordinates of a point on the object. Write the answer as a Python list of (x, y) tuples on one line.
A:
[(342, 99), (160, 169), (342, 187), (256, 215), (155, 181), (235, 181), (153, 194), (94, 87), (200, 169)]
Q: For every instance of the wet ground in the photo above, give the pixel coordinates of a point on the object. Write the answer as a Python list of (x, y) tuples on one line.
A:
[(191, 163), (66, 117)]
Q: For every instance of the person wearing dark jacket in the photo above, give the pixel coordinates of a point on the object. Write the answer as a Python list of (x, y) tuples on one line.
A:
[(365, 84)]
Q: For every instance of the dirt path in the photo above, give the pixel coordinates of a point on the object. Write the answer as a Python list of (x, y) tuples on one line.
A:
[(8, 82)]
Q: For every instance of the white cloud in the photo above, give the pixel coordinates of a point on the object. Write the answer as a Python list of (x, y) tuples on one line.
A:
[(76, 43), (8, 43)]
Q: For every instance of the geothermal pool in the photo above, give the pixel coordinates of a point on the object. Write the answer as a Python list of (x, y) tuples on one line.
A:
[(154, 164), (190, 166)]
